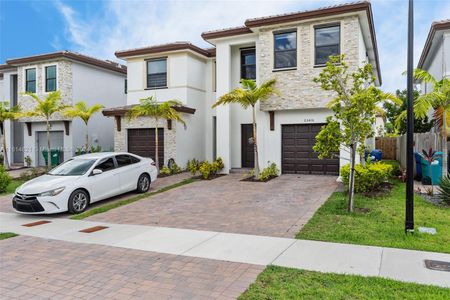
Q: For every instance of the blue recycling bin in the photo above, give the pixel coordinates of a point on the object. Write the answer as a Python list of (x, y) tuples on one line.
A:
[(377, 153), (436, 172)]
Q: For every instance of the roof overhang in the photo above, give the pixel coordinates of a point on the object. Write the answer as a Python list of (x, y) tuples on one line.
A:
[(122, 110), (172, 47), (434, 35)]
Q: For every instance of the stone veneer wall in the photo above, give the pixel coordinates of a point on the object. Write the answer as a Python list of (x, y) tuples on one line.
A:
[(64, 85), (170, 145), (297, 89)]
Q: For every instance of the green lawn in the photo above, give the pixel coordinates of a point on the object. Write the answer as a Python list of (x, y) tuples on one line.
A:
[(109, 206), (285, 283), (6, 235), (11, 188), (383, 225)]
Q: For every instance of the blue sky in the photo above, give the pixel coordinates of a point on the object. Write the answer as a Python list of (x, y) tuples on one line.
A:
[(99, 28)]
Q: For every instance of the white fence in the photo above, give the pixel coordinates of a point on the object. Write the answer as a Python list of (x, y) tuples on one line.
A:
[(422, 141)]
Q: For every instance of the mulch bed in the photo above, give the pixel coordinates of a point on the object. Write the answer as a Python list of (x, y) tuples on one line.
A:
[(382, 190), (253, 179)]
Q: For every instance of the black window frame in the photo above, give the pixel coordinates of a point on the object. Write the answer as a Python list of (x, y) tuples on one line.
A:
[(155, 87), (316, 64), (29, 81), (117, 161), (126, 86), (104, 160), (244, 52), (275, 51), (51, 78)]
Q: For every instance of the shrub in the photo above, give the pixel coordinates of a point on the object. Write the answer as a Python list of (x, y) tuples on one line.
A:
[(444, 189), (165, 171), (175, 169), (5, 179), (32, 173), (368, 177), (207, 169), (28, 161), (193, 166), (269, 172)]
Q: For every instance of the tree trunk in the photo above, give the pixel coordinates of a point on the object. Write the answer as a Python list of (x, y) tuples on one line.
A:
[(255, 144), (351, 184), (444, 144), (87, 138), (156, 146), (49, 156), (5, 151)]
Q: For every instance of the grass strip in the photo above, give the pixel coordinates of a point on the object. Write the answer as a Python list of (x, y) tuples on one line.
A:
[(109, 206), (7, 235)]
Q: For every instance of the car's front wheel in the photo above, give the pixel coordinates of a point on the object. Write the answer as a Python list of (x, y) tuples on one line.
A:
[(143, 184), (78, 201)]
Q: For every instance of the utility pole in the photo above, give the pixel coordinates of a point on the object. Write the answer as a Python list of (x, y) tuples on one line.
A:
[(409, 212)]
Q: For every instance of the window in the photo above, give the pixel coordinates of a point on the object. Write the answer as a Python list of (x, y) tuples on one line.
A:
[(123, 160), (248, 64), (157, 73), (126, 86), (30, 84), (50, 79), (134, 159), (106, 165), (285, 50), (327, 43)]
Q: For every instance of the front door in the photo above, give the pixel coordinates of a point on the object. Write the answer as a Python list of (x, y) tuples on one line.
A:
[(247, 150)]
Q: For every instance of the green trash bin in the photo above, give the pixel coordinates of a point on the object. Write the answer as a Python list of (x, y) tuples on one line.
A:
[(55, 156)]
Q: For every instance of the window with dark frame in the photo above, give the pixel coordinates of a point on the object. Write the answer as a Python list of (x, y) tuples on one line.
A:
[(157, 73), (126, 86), (285, 49), (248, 64), (30, 78), (50, 78), (327, 43)]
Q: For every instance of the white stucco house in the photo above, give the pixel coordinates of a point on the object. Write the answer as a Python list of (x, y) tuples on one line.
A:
[(77, 77), (292, 48)]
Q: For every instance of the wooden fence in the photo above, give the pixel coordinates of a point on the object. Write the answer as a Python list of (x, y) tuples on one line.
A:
[(388, 145)]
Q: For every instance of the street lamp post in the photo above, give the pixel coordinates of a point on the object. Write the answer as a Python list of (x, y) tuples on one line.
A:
[(409, 212)]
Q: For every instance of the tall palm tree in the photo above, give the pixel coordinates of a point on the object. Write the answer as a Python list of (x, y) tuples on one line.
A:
[(150, 107), (249, 95), (438, 100), (82, 111), (46, 108), (7, 113)]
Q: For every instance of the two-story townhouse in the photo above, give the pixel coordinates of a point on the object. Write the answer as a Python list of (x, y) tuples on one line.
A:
[(292, 48), (435, 57), (77, 77), (180, 71)]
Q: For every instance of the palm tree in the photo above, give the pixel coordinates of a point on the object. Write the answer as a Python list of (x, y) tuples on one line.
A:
[(439, 101), (46, 108), (249, 95), (7, 113), (82, 111), (150, 107)]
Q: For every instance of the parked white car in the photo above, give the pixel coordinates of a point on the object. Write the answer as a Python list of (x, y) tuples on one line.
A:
[(82, 180)]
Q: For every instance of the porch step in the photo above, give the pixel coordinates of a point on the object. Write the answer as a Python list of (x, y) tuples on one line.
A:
[(240, 170)]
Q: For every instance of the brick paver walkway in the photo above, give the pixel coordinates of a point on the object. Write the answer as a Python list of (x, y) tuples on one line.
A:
[(6, 206), (35, 268), (279, 207)]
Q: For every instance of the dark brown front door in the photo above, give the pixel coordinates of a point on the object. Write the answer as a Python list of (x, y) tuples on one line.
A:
[(142, 142), (247, 150), (297, 154)]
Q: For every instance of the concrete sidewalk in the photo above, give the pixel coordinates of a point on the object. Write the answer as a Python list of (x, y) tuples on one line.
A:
[(399, 264)]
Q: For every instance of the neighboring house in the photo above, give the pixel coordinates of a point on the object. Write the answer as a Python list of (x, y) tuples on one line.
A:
[(292, 48), (77, 77)]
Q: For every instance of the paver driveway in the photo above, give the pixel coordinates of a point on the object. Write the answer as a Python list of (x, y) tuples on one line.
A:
[(36, 268), (279, 207)]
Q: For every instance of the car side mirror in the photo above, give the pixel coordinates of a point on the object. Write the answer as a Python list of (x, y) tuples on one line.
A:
[(97, 172)]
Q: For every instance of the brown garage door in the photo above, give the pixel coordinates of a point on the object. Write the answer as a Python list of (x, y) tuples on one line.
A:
[(142, 142), (297, 155)]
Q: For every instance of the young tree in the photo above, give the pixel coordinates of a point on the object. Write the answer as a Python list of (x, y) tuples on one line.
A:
[(354, 108), (7, 113), (248, 95), (150, 107), (46, 108), (82, 111), (439, 101)]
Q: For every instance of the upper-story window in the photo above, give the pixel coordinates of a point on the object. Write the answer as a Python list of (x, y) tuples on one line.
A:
[(125, 88), (327, 43), (157, 73), (30, 80), (285, 49), (248, 64), (50, 78)]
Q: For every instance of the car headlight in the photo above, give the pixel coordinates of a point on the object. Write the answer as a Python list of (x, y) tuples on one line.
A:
[(52, 192)]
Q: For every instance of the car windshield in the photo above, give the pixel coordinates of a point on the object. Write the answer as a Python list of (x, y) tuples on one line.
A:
[(73, 167)]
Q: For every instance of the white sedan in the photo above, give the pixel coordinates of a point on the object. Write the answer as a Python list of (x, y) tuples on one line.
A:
[(82, 180)]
